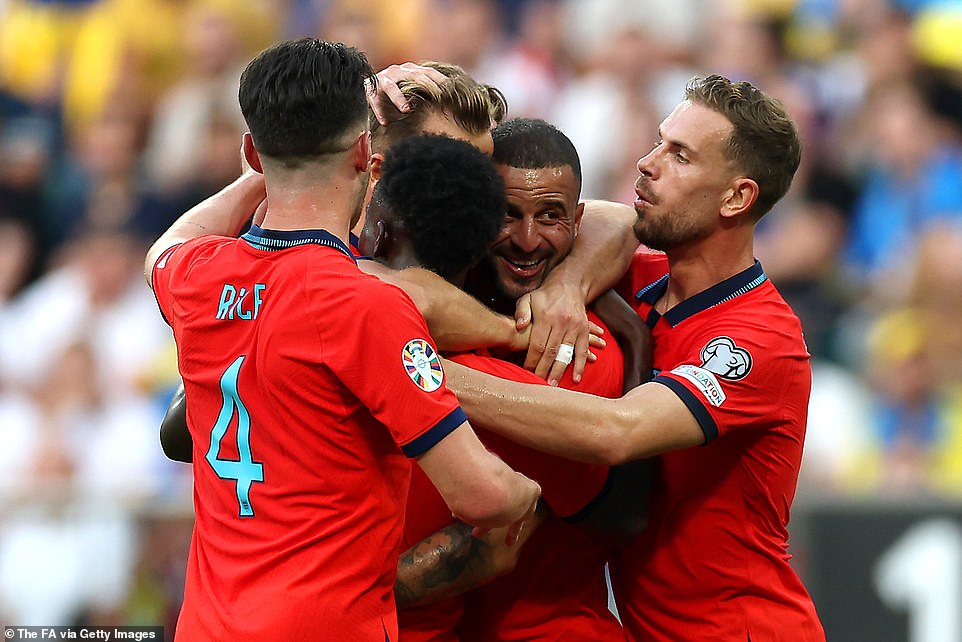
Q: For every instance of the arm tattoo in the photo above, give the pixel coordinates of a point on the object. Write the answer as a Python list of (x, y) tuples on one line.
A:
[(442, 565)]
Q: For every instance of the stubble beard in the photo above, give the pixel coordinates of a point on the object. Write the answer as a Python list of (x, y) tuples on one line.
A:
[(669, 232)]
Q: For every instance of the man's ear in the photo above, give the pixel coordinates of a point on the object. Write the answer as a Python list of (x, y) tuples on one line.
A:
[(382, 240), (740, 197), (376, 159), (362, 152), (250, 154), (579, 212)]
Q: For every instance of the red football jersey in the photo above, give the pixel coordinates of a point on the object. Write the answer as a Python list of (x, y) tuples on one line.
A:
[(557, 591), (558, 587), (305, 403), (713, 563)]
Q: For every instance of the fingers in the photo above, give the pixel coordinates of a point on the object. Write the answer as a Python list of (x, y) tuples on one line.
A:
[(387, 86), (516, 529), (541, 350), (557, 317), (522, 312), (581, 357), (583, 353), (594, 333)]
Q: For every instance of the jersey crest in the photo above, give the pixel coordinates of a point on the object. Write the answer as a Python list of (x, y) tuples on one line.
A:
[(725, 359), (422, 365)]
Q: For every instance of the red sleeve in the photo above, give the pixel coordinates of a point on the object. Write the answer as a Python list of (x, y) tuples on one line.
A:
[(743, 375), (386, 358), (567, 486), (161, 275)]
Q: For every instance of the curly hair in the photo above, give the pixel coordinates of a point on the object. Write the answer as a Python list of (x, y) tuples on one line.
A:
[(448, 197), (531, 143)]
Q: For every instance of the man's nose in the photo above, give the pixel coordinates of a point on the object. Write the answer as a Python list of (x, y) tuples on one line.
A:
[(525, 235)]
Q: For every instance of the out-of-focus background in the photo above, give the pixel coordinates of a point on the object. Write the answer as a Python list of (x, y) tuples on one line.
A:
[(117, 115)]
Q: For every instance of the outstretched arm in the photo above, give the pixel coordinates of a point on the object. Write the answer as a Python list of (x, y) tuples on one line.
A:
[(647, 421), (457, 320), (601, 254), (455, 559)]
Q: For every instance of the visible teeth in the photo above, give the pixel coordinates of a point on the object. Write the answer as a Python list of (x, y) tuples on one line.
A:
[(524, 264)]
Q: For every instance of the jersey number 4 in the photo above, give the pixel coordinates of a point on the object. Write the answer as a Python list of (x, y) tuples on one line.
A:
[(244, 470)]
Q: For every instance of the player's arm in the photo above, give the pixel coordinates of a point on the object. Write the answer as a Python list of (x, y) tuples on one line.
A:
[(647, 421), (175, 439), (601, 254), (457, 320), (631, 333), (223, 213), (477, 485), (456, 559)]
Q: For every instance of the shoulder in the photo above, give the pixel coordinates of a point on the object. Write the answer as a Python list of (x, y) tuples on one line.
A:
[(647, 267)]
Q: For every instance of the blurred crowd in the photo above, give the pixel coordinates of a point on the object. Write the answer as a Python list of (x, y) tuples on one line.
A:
[(118, 115)]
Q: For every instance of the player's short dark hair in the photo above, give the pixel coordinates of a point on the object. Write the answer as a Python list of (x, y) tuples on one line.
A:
[(301, 98), (471, 105), (531, 143), (447, 195), (764, 142)]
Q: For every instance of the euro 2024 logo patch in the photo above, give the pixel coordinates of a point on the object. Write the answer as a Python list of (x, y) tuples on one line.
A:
[(422, 364)]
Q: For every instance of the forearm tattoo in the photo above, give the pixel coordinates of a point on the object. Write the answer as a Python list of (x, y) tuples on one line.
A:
[(444, 564)]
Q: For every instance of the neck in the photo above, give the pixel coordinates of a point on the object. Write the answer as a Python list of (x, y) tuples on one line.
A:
[(313, 198), (481, 283), (406, 259), (698, 266)]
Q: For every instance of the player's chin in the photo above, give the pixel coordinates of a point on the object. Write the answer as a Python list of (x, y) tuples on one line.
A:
[(513, 287)]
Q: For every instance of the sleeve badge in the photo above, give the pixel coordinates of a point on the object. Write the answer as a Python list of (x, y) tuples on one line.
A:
[(422, 364)]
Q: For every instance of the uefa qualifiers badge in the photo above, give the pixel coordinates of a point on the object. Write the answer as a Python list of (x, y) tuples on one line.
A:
[(422, 365)]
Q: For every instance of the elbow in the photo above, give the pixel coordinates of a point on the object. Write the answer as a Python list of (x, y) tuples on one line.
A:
[(614, 446), (487, 508), (611, 453)]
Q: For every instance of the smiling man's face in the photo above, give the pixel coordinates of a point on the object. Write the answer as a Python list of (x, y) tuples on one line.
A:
[(539, 227)]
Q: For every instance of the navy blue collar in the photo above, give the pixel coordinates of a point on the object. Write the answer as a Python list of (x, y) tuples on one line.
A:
[(727, 290), (274, 240)]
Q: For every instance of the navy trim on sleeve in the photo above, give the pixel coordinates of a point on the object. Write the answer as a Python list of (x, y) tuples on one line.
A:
[(588, 508), (440, 430), (702, 416)]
